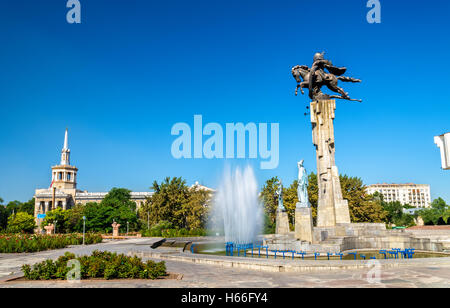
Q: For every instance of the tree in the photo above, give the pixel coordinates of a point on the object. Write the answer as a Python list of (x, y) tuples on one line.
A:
[(269, 198), (313, 194), (17, 206), (74, 219), (363, 207), (57, 215), (196, 208), (116, 206), (437, 214), (21, 223), (290, 199), (168, 203), (3, 215)]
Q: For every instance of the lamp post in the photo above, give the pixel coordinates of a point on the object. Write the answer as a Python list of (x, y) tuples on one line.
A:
[(84, 227), (127, 227)]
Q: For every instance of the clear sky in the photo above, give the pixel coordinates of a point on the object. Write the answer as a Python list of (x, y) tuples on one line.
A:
[(132, 69)]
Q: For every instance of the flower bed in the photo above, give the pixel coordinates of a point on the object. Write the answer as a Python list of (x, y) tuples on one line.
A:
[(17, 243), (101, 264)]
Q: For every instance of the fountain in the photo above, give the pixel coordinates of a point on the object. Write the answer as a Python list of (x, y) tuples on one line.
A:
[(237, 207)]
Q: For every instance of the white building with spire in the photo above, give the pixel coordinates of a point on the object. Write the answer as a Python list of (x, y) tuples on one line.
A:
[(63, 190)]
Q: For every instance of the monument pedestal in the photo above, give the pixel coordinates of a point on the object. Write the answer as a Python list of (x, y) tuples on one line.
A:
[(303, 224), (332, 209), (282, 222), (115, 226)]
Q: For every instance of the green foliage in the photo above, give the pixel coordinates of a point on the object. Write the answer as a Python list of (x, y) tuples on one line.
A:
[(116, 206), (18, 243), (21, 222), (14, 207), (269, 225), (362, 207), (17, 206), (73, 219), (174, 202), (101, 264), (57, 215), (313, 194), (3, 217), (394, 214), (269, 198), (437, 214), (174, 232)]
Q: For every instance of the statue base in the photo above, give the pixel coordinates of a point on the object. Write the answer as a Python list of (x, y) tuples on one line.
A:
[(332, 209), (303, 224), (282, 222), (300, 205)]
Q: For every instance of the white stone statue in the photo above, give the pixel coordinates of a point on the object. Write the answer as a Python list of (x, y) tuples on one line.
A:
[(280, 196), (302, 188)]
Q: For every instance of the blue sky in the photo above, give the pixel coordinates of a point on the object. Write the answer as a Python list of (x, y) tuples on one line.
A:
[(132, 69)]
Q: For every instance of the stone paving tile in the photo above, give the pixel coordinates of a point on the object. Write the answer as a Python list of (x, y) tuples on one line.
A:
[(418, 274)]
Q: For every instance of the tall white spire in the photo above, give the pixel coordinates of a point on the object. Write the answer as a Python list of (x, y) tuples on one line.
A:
[(65, 153), (66, 141)]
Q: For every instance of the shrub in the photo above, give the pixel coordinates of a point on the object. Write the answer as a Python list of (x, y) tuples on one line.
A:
[(17, 243), (173, 232), (100, 264)]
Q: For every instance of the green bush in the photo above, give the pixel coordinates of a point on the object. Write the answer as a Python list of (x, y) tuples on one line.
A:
[(17, 243), (100, 264), (173, 232)]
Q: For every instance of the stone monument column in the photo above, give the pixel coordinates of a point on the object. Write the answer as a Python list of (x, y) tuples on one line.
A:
[(332, 208)]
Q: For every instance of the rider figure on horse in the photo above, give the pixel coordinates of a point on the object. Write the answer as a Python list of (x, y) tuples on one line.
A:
[(318, 74)]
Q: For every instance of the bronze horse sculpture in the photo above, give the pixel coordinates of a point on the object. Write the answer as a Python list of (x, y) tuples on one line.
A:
[(315, 78)]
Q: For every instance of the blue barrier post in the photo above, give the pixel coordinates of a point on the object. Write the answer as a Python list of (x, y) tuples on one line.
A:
[(339, 254), (302, 253), (316, 254), (293, 252), (192, 248), (283, 253), (354, 254), (275, 253), (329, 254), (363, 256), (373, 258), (267, 251)]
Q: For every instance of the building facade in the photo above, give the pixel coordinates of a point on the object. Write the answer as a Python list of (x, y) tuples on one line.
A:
[(63, 192), (417, 195)]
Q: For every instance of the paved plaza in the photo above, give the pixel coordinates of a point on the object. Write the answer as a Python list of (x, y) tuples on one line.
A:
[(410, 273)]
